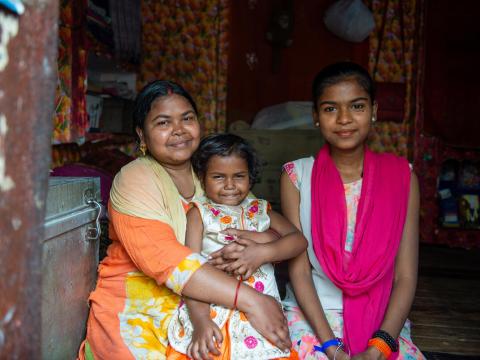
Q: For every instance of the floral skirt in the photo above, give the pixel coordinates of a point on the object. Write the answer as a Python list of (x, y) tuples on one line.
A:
[(304, 340), (225, 350)]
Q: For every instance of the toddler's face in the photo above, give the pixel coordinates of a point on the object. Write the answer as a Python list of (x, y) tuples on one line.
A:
[(226, 180)]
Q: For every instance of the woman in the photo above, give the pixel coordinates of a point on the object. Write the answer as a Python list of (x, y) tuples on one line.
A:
[(359, 212), (147, 267)]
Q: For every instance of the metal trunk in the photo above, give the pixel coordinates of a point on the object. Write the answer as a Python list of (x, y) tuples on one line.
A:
[(69, 263)]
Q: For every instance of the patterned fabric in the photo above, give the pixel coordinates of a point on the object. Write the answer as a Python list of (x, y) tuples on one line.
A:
[(388, 136), (182, 272), (396, 59), (189, 46), (245, 341), (304, 341), (393, 64), (397, 62), (70, 118), (145, 317), (251, 214), (352, 197)]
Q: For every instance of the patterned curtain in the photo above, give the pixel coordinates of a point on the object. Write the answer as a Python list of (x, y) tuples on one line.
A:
[(70, 118), (398, 25), (186, 41)]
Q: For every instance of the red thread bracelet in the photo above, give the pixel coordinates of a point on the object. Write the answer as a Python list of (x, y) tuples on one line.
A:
[(236, 293)]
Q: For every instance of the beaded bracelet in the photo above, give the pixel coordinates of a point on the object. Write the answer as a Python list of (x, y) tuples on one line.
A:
[(385, 336), (381, 346)]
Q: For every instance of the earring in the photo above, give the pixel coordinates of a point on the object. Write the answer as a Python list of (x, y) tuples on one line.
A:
[(374, 119), (143, 148), (317, 123)]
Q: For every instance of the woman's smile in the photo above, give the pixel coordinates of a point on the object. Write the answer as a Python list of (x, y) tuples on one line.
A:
[(180, 144)]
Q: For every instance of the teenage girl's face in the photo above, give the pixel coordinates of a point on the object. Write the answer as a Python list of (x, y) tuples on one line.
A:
[(344, 114), (171, 130), (226, 180)]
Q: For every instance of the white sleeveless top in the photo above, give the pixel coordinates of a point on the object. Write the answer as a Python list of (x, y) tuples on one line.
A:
[(330, 296)]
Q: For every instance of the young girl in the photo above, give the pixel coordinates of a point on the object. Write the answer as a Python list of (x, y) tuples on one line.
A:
[(227, 168), (351, 291)]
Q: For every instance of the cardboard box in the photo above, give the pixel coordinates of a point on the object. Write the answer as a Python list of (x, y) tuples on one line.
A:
[(275, 148)]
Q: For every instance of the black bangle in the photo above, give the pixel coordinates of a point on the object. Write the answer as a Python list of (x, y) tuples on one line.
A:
[(389, 340)]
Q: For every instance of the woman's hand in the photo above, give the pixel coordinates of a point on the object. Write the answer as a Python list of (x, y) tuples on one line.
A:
[(266, 316), (206, 340)]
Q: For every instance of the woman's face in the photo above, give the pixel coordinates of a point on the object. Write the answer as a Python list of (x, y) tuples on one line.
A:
[(171, 130), (344, 114)]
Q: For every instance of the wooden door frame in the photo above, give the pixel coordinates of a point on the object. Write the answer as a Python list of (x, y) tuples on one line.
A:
[(28, 48)]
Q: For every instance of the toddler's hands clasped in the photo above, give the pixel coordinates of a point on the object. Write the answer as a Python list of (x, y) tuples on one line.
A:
[(243, 256), (245, 262), (223, 258)]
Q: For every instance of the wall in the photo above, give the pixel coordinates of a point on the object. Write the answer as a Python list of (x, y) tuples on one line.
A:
[(451, 85), (448, 128), (313, 47)]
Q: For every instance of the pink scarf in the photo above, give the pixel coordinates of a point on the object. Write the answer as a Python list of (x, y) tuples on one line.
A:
[(366, 278)]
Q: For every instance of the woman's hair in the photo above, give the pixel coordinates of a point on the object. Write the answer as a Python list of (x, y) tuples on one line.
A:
[(151, 92), (225, 145), (335, 73)]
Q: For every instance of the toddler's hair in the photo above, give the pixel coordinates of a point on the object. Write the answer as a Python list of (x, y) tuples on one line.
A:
[(225, 145)]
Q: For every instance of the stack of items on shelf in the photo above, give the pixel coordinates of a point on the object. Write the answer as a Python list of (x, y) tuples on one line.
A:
[(114, 83), (458, 193)]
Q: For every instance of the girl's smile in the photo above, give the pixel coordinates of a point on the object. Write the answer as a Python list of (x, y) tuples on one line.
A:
[(226, 180)]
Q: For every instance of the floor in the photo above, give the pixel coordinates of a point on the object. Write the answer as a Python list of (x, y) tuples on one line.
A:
[(446, 310)]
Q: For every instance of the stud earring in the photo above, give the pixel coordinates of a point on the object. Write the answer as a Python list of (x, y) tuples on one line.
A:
[(143, 149), (374, 119), (317, 124)]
